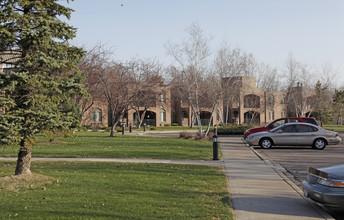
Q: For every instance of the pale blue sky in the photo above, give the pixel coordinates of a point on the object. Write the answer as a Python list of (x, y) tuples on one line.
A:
[(313, 30)]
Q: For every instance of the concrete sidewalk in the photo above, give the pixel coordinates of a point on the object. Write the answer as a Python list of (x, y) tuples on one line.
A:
[(119, 160), (258, 191)]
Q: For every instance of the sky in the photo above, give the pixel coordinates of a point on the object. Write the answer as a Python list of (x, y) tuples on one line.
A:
[(311, 30)]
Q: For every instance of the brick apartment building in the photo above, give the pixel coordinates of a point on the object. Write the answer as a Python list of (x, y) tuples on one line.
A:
[(248, 105), (242, 103), (159, 114)]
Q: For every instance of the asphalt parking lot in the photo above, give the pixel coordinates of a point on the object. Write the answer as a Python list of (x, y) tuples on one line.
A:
[(295, 160)]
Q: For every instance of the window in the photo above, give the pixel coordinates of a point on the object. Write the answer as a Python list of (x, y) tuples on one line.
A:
[(289, 129), (283, 114), (185, 113), (162, 115), (6, 68), (163, 97), (283, 98), (294, 120), (278, 123), (251, 101), (271, 115), (303, 128), (311, 121), (271, 99), (97, 116)]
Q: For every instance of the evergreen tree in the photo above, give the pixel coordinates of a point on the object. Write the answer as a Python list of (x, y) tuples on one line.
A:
[(338, 100), (322, 103), (38, 92)]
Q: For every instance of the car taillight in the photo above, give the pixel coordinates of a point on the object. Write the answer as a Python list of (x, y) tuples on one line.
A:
[(337, 135), (338, 183), (332, 183)]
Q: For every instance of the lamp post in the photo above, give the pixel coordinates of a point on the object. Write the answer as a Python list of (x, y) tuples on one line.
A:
[(215, 148)]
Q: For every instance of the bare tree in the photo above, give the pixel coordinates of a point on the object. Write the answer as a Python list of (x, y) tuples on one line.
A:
[(150, 88), (299, 86), (192, 61), (117, 87), (267, 78), (229, 65), (252, 102), (328, 76), (92, 65), (122, 86), (212, 95), (108, 81)]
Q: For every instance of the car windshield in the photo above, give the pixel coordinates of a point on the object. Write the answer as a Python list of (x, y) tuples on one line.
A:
[(277, 128)]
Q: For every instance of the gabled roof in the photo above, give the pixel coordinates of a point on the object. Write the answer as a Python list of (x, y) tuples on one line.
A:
[(9, 56)]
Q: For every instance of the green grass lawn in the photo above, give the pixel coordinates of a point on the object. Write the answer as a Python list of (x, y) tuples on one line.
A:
[(118, 191), (100, 144), (337, 128)]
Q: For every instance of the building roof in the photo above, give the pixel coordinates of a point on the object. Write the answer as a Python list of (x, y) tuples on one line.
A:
[(9, 56)]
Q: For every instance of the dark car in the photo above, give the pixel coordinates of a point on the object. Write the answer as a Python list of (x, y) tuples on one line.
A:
[(279, 122), (326, 186)]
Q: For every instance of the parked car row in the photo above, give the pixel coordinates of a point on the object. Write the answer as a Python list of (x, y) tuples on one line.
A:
[(279, 122), (295, 134), (301, 131)]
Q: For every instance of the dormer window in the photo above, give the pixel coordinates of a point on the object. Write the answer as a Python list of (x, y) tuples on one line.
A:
[(163, 97)]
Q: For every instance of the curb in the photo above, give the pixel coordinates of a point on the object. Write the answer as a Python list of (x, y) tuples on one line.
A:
[(287, 178)]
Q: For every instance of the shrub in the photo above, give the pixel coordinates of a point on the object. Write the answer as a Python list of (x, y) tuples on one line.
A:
[(175, 124), (232, 129), (202, 137), (153, 128), (185, 135), (196, 136), (86, 127)]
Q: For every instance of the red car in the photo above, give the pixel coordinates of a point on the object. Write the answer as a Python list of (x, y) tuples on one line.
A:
[(279, 122)]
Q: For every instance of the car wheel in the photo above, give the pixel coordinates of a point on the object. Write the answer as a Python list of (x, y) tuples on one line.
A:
[(319, 144), (266, 143)]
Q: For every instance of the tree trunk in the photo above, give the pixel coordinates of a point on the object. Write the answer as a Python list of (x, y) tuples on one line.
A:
[(142, 117), (137, 120), (24, 159), (199, 124), (211, 118), (112, 131), (226, 118), (221, 119)]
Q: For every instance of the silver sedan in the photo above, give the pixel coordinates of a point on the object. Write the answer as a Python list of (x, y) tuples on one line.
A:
[(295, 134)]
